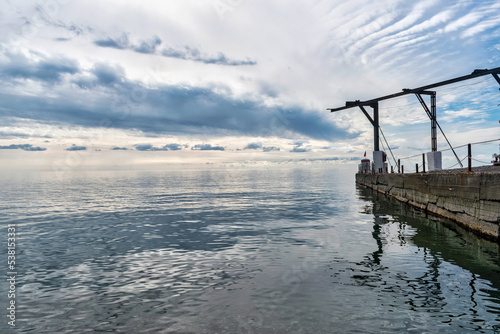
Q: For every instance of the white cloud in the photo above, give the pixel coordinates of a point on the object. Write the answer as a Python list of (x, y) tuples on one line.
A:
[(301, 57)]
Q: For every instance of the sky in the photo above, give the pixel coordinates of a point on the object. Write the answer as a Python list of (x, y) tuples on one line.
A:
[(90, 84)]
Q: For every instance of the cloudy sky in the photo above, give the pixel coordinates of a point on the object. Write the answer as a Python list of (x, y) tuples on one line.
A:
[(103, 83)]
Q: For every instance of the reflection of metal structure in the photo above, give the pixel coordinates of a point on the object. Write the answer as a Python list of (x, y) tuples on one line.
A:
[(424, 90), (430, 288)]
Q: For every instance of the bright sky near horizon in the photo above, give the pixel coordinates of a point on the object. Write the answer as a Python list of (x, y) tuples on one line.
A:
[(108, 82)]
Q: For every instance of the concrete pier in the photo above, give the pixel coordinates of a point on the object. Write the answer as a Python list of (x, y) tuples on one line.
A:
[(470, 199)]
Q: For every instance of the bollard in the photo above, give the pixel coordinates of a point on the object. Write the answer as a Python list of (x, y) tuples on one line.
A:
[(403, 169), (416, 168), (399, 166), (423, 162)]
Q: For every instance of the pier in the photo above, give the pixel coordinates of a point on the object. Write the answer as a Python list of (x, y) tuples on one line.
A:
[(472, 199), (468, 196)]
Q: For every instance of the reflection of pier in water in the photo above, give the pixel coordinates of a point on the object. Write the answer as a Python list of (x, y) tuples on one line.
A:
[(398, 224)]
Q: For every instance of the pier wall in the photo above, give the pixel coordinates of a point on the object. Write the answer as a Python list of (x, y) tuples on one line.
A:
[(470, 199)]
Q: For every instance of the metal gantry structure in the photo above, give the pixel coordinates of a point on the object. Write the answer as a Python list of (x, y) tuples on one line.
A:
[(424, 90)]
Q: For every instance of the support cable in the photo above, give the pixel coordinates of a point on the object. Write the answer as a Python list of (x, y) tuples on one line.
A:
[(451, 147), (433, 119), (480, 142), (460, 146), (395, 161), (457, 162)]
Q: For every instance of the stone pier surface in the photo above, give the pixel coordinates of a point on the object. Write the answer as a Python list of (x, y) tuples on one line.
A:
[(472, 199)]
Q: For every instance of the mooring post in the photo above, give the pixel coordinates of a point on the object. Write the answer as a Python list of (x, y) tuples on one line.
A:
[(416, 168), (469, 147), (423, 162), (403, 169), (399, 165)]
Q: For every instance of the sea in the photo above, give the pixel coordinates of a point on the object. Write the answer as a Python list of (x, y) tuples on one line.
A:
[(280, 248)]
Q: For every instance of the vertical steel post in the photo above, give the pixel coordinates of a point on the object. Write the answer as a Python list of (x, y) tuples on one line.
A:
[(433, 123), (469, 147), (416, 168), (423, 162), (403, 169), (399, 166), (376, 140)]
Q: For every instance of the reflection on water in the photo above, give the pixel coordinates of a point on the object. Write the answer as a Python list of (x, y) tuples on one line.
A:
[(264, 250)]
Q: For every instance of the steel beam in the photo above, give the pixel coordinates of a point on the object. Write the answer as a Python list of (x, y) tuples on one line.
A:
[(374, 121), (496, 77), (432, 115), (475, 74), (376, 140)]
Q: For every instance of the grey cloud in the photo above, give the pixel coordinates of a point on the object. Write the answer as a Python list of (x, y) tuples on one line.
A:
[(256, 146), (46, 69), (25, 147), (163, 109), (101, 74), (270, 148), (173, 147), (117, 43), (149, 147), (195, 55), (207, 147), (299, 147), (300, 150), (186, 53), (107, 74), (76, 148), (169, 109), (14, 135), (148, 47), (253, 146), (119, 149)]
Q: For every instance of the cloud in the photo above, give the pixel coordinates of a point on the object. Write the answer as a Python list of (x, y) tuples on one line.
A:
[(167, 109), (148, 46), (37, 67), (207, 147), (76, 148), (107, 74), (270, 148), (173, 147), (253, 146), (152, 46), (115, 43), (299, 147), (195, 55), (258, 146), (25, 147), (300, 150), (119, 149), (150, 147)]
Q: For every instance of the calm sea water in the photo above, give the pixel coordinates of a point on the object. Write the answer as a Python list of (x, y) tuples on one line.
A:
[(237, 250)]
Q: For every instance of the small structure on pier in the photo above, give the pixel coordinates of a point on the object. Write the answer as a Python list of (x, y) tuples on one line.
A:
[(364, 167)]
